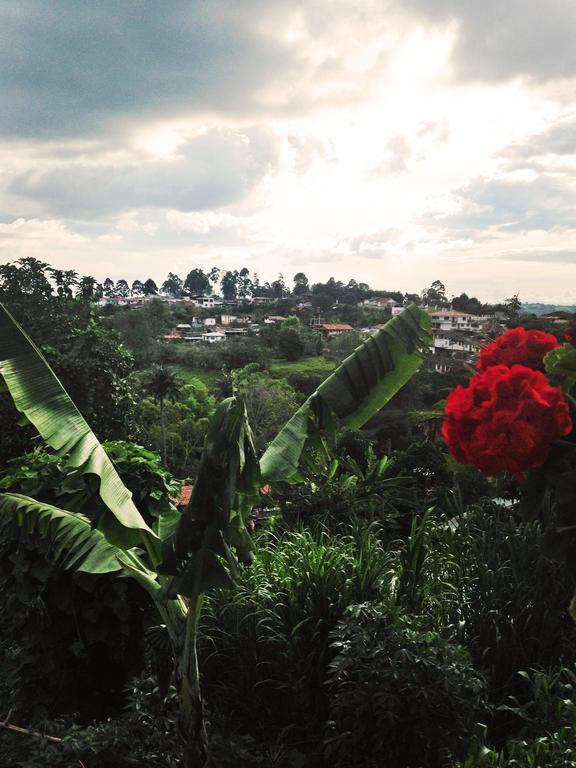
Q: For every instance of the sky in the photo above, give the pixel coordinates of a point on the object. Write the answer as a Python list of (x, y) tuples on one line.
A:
[(393, 142)]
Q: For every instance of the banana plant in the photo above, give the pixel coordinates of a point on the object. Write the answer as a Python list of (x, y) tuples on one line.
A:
[(181, 556)]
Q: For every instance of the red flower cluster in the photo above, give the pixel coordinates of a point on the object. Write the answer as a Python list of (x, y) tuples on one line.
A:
[(570, 334), (505, 420), (518, 346)]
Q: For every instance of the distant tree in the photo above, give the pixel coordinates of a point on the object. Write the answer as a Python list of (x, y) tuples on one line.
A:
[(290, 344), (66, 281), (108, 287), (411, 298), (469, 304), (150, 288), (245, 285), (137, 288), (214, 277), (122, 288), (512, 307), (172, 286), (163, 385), (435, 295), (88, 290), (229, 285), (301, 284), (269, 403), (279, 288), (197, 282)]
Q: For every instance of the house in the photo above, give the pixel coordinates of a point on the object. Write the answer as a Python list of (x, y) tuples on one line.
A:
[(457, 341), (329, 330), (273, 319), (214, 336), (206, 302), (379, 301), (450, 320), (209, 321)]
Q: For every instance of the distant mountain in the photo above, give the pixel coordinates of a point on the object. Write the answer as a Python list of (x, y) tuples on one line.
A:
[(546, 309)]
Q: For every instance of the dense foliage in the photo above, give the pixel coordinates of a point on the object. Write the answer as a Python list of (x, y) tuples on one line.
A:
[(390, 608)]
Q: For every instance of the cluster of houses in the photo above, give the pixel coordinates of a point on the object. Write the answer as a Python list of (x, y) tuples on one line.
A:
[(201, 301), (457, 336), (225, 326)]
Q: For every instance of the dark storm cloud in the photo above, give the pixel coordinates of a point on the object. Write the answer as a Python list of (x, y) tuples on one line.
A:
[(69, 67), (545, 203), (499, 39), (213, 170)]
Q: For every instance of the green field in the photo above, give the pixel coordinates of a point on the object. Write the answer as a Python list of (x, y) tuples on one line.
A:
[(312, 365), (186, 374), (280, 369)]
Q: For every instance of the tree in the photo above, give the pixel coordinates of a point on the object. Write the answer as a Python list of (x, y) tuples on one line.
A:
[(162, 385), (435, 295), (172, 286), (214, 277), (150, 288), (137, 288), (290, 345), (512, 307), (122, 288), (66, 281), (177, 559), (89, 358), (229, 285), (279, 289), (245, 286), (301, 284), (197, 282), (469, 304)]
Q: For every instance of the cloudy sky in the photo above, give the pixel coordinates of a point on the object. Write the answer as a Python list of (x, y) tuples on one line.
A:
[(393, 142)]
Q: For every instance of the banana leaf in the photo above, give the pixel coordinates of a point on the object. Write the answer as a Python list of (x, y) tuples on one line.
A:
[(212, 536), (73, 543), (361, 385), (43, 401)]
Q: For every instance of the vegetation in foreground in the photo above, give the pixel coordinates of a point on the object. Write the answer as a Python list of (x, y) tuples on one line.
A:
[(391, 587)]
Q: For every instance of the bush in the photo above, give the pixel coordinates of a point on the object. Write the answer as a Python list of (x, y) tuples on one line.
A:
[(267, 643), (400, 695), (73, 639)]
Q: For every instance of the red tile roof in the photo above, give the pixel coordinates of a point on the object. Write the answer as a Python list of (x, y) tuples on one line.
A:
[(185, 494), (334, 327)]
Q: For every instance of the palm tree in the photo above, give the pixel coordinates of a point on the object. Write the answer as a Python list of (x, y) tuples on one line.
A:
[(162, 385)]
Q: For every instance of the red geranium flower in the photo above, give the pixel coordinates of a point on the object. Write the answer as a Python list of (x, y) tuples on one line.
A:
[(570, 333), (517, 347), (505, 420)]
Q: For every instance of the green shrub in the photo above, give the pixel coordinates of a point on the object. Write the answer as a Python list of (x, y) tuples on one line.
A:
[(266, 644), (400, 695)]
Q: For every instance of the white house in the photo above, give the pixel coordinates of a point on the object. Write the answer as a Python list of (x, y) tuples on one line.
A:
[(206, 302), (213, 337)]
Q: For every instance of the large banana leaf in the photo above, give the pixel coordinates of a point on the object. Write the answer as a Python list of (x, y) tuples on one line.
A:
[(211, 536), (73, 542), (361, 385), (39, 395)]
